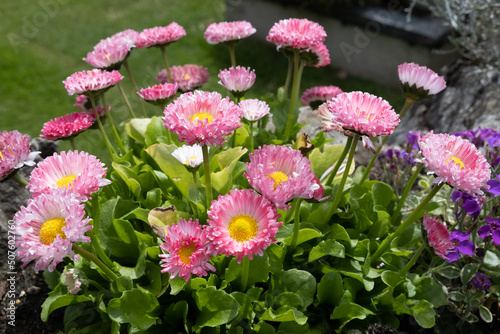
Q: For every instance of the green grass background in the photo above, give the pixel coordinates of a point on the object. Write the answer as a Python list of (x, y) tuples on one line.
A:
[(42, 42)]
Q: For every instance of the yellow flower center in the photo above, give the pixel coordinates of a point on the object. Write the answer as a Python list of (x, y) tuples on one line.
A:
[(107, 57), (187, 77), (456, 161), (185, 252), (1, 156), (65, 181), (242, 228), (278, 178), (50, 229), (192, 158), (201, 116)]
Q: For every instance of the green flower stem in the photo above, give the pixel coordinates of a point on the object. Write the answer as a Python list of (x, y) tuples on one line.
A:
[(196, 175), (208, 181), (372, 161), (165, 60), (288, 77), (19, 179), (230, 46), (101, 128), (408, 104), (406, 191), (338, 195), (339, 162), (289, 122), (245, 269), (411, 218), (125, 63), (113, 127), (412, 261), (94, 241), (91, 257), (130, 110), (251, 137), (96, 285), (72, 142), (296, 222)]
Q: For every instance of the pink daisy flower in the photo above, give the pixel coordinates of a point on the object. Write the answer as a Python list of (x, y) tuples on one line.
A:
[(108, 54), (160, 94), (189, 77), (188, 249), (455, 161), (79, 172), (223, 32), (15, 152), (72, 281), (438, 237), (242, 223), (159, 36), (47, 228), (318, 56), (191, 156), (363, 113), (253, 109), (91, 82), (281, 174), (66, 126), (202, 117), (315, 96), (300, 34), (237, 80), (418, 82), (82, 102)]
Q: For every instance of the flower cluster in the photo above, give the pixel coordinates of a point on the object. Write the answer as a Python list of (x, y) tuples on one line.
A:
[(224, 32), (15, 152), (188, 77)]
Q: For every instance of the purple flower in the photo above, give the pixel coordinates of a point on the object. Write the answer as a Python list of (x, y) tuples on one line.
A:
[(492, 229), (469, 204), (494, 141), (479, 136), (412, 138), (462, 245), (481, 283), (494, 187), (392, 153)]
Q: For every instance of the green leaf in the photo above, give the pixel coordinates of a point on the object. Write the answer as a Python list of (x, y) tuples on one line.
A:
[(305, 234), (391, 278), (276, 255), (176, 285), (330, 289), (321, 160), (327, 247), (136, 128), (177, 315), (57, 299), (129, 177), (348, 312), (139, 265), (258, 270), (298, 281), (222, 180), (51, 278), (176, 171), (264, 328), (468, 272), (136, 307), (154, 130), (457, 296), (424, 314), (216, 307), (382, 194), (485, 314), (161, 217), (430, 290), (492, 259), (339, 233), (284, 314), (450, 272)]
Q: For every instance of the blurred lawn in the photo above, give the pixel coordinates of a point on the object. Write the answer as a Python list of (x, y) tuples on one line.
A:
[(43, 42)]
